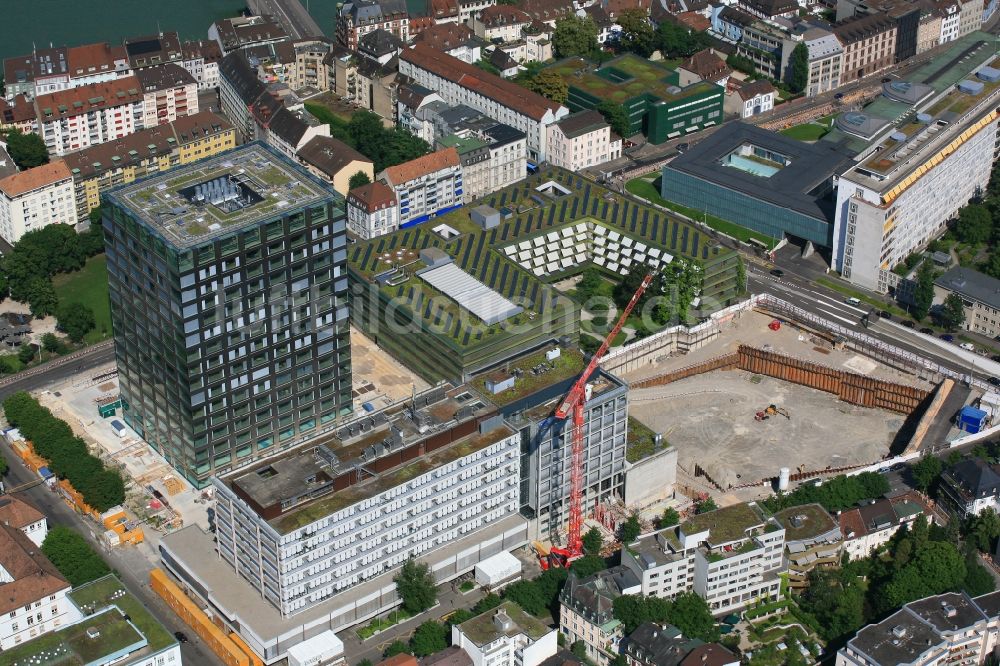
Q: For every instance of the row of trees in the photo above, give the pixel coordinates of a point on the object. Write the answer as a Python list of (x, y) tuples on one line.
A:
[(26, 273), (687, 611), (72, 556), (53, 439), (836, 494)]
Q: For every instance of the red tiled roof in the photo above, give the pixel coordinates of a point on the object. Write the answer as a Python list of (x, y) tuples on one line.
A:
[(399, 660), (100, 56), (471, 77), (34, 576), (84, 99), (499, 15), (17, 513), (754, 88), (706, 65), (436, 161), (32, 179), (445, 36), (20, 111), (444, 8), (372, 197), (695, 21)]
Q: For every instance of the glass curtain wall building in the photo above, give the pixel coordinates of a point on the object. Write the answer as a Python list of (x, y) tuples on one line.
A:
[(228, 294)]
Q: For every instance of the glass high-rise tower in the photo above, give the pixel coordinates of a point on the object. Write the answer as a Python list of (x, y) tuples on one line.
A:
[(229, 306)]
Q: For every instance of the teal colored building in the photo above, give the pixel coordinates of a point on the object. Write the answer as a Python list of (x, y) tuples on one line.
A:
[(656, 105)]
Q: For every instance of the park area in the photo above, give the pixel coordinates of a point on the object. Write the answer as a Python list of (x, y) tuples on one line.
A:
[(811, 131), (89, 287)]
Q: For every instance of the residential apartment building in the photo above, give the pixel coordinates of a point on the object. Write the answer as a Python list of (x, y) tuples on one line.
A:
[(664, 645), (769, 9), (310, 69), (730, 557), (427, 186), (826, 59), (359, 17), (971, 17), (586, 611), (867, 528), (705, 65), (458, 82), (948, 628), (19, 114), (455, 39), (153, 50), (767, 46), (81, 117), (335, 162), (492, 157), (188, 139), (500, 23), (104, 625), (54, 69), (36, 198), (505, 635), (898, 199), (750, 99), (245, 32), (366, 82), (582, 140), (219, 401), (869, 44), (20, 515), (239, 90), (951, 17), (372, 211), (969, 487), (168, 92), (980, 296), (812, 539), (928, 29), (33, 591), (201, 60)]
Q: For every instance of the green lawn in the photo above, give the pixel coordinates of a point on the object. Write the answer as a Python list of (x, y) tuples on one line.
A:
[(90, 287), (807, 132), (649, 190)]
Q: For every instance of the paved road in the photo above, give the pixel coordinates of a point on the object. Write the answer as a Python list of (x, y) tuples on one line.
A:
[(58, 370), (130, 564), (291, 14)]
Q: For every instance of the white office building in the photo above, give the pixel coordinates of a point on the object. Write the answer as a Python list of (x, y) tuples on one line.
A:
[(505, 636)]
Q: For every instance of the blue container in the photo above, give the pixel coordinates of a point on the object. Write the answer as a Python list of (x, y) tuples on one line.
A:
[(971, 420), (45, 473), (368, 407)]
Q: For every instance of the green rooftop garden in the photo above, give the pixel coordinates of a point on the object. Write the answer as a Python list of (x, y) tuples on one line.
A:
[(568, 364), (623, 78), (109, 591), (726, 524)]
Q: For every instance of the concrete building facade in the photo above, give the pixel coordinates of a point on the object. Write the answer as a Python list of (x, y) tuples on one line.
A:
[(372, 210), (87, 115), (426, 186), (582, 140)]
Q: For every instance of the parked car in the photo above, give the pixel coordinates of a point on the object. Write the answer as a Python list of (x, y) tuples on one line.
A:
[(908, 324), (777, 272), (927, 331), (839, 96), (947, 338), (181, 637), (852, 301), (995, 358), (968, 346), (682, 147), (994, 381), (885, 314)]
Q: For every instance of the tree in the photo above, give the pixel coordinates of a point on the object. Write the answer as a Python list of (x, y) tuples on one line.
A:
[(670, 517), (3, 466), (358, 179), (836, 599), (73, 556), (528, 595), (415, 585), (430, 637), (798, 68), (364, 662), (574, 36), (52, 344), (978, 580), (27, 150), (677, 41), (396, 647), (923, 295), (617, 117), (637, 34), (26, 354), (550, 85), (460, 616), (952, 313), (41, 297), (579, 650), (708, 504), (593, 541), (982, 531), (75, 319), (630, 529), (588, 565), (690, 613), (926, 472), (975, 224), (489, 602)]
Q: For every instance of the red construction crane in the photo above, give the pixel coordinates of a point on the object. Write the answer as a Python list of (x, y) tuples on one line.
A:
[(573, 402)]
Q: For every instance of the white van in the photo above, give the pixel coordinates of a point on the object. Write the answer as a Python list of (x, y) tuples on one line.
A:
[(852, 301)]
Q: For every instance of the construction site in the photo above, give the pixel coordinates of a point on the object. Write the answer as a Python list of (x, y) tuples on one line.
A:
[(762, 398)]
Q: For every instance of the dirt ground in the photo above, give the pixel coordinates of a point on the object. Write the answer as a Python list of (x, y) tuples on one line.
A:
[(710, 419)]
